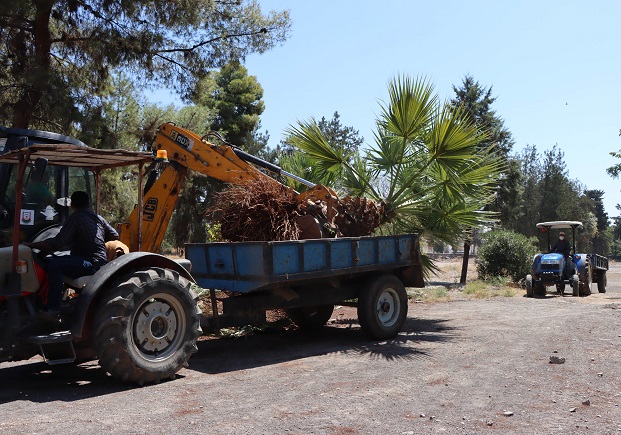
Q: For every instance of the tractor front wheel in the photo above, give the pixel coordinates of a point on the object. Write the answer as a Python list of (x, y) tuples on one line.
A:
[(539, 289), (146, 328), (575, 285), (529, 286)]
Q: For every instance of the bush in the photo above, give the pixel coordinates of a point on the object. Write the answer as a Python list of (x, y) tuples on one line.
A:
[(505, 253)]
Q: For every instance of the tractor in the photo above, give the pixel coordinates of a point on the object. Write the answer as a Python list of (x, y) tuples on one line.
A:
[(555, 269)]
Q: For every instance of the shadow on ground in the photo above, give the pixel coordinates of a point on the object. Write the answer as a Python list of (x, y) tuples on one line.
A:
[(226, 355), (37, 382)]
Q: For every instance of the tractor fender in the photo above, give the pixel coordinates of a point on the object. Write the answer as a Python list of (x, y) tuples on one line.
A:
[(536, 263), (581, 261), (109, 273)]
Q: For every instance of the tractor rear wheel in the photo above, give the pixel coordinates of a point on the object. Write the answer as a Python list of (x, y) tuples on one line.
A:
[(146, 328), (585, 282)]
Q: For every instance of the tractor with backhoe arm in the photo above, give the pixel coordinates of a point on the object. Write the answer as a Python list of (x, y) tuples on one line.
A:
[(559, 269), (139, 314)]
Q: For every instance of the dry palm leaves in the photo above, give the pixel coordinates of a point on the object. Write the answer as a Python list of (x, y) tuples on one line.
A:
[(357, 216), (266, 211), (259, 211)]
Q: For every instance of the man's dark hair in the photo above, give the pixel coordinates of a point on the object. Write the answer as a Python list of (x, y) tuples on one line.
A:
[(79, 199)]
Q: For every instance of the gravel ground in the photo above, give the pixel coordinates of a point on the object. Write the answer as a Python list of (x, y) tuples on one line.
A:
[(458, 367)]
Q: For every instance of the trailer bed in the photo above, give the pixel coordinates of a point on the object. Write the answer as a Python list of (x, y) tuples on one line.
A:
[(246, 267), (598, 262)]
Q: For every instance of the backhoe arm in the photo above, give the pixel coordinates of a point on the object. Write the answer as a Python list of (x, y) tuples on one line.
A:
[(186, 150)]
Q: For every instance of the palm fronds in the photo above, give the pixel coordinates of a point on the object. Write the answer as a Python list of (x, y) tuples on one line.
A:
[(427, 164)]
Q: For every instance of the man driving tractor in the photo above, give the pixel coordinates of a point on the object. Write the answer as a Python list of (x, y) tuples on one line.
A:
[(562, 246), (85, 233)]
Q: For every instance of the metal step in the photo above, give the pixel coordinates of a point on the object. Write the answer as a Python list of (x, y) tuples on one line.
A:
[(55, 348)]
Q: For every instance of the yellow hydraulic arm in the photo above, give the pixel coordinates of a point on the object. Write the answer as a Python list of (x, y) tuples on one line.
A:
[(186, 150)]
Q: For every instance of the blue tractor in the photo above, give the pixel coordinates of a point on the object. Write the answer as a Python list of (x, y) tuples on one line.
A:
[(557, 269)]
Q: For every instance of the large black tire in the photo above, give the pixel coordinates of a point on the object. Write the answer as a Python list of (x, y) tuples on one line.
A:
[(146, 328), (311, 318), (584, 287), (529, 286), (539, 289), (575, 285), (383, 307), (602, 281)]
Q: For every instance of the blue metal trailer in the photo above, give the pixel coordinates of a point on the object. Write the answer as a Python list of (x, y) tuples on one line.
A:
[(308, 277)]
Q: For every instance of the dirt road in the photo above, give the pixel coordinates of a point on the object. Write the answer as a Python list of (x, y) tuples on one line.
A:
[(458, 367)]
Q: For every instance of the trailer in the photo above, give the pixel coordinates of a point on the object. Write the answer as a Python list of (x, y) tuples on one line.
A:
[(598, 269), (307, 278)]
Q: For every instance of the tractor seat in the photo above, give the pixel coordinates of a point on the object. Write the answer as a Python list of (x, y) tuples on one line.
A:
[(77, 283)]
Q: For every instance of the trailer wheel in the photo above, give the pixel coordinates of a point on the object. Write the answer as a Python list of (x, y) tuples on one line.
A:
[(575, 285), (310, 318), (146, 327), (602, 281), (529, 286), (382, 307)]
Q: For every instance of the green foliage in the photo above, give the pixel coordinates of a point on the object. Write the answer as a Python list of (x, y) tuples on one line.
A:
[(228, 101), (344, 140), (214, 233), (427, 164), (236, 99), (615, 170), (190, 221), (76, 68), (429, 294), (505, 253), (256, 144), (490, 288), (477, 102), (56, 57), (544, 192), (596, 198)]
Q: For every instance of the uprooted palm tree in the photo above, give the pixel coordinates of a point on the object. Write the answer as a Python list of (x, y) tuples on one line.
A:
[(426, 165)]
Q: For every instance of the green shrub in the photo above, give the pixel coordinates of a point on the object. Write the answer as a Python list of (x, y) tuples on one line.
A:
[(505, 253)]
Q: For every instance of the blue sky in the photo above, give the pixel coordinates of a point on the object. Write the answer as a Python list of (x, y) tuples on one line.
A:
[(554, 67)]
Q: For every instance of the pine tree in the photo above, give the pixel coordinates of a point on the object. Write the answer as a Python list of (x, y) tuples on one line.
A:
[(57, 56)]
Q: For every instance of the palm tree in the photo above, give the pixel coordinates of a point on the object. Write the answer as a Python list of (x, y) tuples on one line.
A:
[(426, 164)]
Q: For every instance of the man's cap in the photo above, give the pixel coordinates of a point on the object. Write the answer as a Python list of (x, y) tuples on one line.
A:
[(562, 233)]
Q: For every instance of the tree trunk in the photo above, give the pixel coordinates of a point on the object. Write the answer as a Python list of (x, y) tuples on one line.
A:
[(464, 265), (37, 80)]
